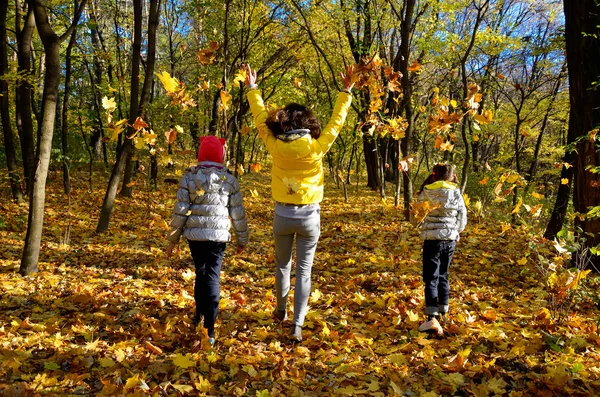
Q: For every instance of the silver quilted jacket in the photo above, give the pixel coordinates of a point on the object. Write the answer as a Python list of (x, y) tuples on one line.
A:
[(449, 215), (208, 196)]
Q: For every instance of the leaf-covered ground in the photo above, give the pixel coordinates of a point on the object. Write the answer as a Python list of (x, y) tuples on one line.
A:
[(110, 315)]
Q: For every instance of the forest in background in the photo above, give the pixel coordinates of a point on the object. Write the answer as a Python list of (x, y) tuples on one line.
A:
[(132, 85)]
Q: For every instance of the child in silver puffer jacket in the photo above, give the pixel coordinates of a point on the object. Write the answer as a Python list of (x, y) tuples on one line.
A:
[(440, 230), (207, 198)]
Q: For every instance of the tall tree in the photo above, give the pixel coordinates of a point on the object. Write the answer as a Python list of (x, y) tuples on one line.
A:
[(9, 144), (137, 104), (582, 35), (24, 31), (51, 41)]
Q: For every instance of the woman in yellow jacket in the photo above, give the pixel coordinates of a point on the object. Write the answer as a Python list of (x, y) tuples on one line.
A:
[(297, 144)]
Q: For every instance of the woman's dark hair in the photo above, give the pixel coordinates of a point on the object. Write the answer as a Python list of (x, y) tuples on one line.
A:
[(292, 117), (441, 172)]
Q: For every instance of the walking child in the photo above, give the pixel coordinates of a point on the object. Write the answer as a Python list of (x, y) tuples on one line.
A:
[(208, 196), (294, 138), (440, 230)]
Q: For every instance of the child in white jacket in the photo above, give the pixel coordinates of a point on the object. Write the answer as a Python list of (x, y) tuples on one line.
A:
[(439, 231)]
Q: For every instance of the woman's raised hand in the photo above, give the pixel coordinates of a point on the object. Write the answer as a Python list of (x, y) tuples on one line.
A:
[(250, 75), (347, 78)]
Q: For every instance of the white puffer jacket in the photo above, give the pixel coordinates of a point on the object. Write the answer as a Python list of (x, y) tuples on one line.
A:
[(208, 195), (449, 216)]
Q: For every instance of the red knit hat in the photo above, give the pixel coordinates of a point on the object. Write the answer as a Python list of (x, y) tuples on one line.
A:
[(211, 149)]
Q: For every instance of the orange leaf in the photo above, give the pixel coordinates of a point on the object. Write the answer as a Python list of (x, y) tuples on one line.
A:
[(139, 124), (152, 349), (171, 135), (415, 66)]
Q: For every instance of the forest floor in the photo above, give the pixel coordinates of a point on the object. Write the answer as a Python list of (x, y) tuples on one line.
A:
[(109, 314)]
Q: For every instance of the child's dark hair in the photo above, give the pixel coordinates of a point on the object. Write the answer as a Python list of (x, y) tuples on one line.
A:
[(292, 117), (441, 172)]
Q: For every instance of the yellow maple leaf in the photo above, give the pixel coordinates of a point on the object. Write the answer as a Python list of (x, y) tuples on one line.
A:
[(522, 261), (447, 146), (314, 297), (564, 181), (109, 104), (398, 359), (183, 388), (537, 195), (240, 77), (249, 369), (132, 382), (183, 361), (225, 98), (171, 84), (106, 362), (201, 384)]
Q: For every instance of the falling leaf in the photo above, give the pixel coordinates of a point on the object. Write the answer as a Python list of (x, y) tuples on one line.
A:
[(170, 84), (139, 124), (518, 206), (415, 66), (171, 135), (109, 104), (239, 78), (225, 98), (564, 181)]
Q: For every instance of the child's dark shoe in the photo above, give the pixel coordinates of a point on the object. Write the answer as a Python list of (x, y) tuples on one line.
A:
[(432, 325), (280, 315), (296, 334), (212, 341)]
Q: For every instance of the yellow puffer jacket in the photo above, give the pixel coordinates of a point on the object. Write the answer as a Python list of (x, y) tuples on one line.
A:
[(297, 176)]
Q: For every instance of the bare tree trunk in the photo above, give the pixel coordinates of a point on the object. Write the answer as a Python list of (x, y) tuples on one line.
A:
[(24, 91), (9, 144), (35, 221), (96, 80), (65, 114)]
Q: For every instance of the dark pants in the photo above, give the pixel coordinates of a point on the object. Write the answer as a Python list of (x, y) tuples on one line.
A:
[(437, 255), (208, 259)]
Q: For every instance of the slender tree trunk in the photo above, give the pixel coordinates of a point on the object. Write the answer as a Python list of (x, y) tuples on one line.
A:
[(35, 221), (406, 144), (65, 114), (24, 92), (96, 80), (371, 162), (9, 144)]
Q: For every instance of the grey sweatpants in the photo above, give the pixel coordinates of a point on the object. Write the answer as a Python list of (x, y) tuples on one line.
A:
[(307, 233)]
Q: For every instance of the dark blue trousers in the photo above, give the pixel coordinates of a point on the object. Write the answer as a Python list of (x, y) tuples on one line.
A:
[(437, 256), (208, 259)]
